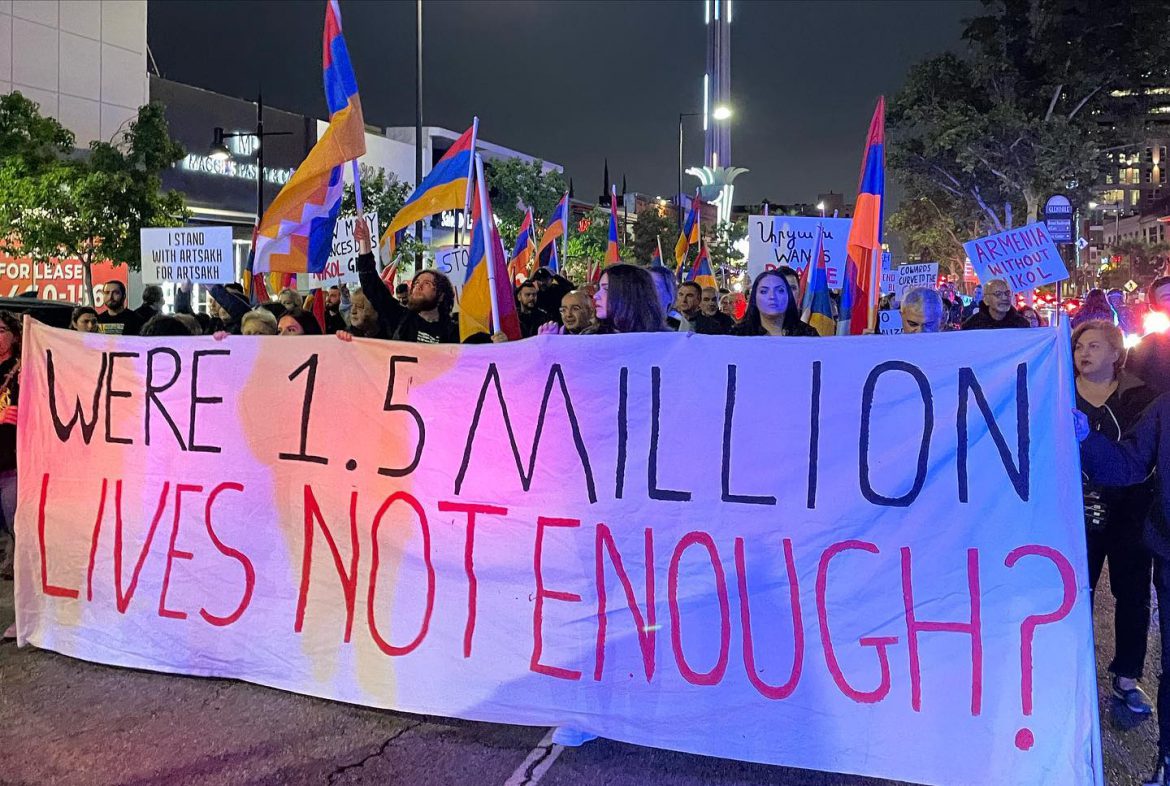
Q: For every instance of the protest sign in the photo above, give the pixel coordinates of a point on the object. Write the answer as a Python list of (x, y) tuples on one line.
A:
[(341, 267), (202, 255), (549, 533), (889, 280), (56, 279), (889, 321), (1025, 258), (452, 262), (776, 241), (919, 274)]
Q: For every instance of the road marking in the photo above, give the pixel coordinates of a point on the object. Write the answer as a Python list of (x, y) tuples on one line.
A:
[(538, 762)]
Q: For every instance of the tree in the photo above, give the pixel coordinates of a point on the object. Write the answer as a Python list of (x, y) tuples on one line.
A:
[(1134, 259), (90, 208), (935, 229), (516, 186), (588, 243), (1044, 88), (653, 225), (721, 244)]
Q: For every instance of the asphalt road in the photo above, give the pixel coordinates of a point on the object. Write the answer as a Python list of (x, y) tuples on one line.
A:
[(65, 721)]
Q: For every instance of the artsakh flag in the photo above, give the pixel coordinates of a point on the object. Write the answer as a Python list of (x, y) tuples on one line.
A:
[(862, 276), (296, 233)]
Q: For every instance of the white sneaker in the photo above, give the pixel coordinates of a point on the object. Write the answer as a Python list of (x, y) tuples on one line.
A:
[(571, 738)]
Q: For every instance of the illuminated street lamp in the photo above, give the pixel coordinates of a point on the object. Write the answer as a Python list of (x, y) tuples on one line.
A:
[(721, 113), (821, 207)]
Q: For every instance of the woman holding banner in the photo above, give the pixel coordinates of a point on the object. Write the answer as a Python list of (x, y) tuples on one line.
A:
[(772, 309), (1113, 401), (10, 331)]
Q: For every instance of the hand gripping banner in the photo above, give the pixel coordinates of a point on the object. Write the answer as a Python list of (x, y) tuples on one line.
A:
[(863, 554)]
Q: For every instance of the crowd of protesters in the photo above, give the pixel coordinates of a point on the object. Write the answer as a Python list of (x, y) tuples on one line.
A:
[(1121, 419)]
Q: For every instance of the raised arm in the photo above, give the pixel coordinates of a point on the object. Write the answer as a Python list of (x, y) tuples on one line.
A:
[(389, 310)]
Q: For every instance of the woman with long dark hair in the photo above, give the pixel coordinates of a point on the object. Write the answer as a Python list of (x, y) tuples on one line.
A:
[(772, 309), (627, 302), (1096, 306)]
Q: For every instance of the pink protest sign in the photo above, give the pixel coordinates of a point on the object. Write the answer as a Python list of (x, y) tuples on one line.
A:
[(546, 533)]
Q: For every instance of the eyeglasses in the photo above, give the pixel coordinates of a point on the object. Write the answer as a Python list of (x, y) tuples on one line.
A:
[(570, 309)]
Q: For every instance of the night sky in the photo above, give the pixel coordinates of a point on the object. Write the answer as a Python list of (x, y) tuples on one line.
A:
[(575, 82)]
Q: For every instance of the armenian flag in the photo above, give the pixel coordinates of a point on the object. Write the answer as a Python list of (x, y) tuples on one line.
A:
[(701, 272), (296, 233), (557, 225), (612, 252), (656, 254), (817, 308), (476, 306), (690, 232), (553, 264), (446, 187), (863, 264), (522, 252)]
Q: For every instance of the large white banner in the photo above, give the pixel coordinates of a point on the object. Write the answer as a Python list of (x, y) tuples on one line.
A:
[(622, 534), (779, 241)]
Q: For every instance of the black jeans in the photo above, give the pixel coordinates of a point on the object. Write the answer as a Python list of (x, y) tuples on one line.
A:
[(1129, 580)]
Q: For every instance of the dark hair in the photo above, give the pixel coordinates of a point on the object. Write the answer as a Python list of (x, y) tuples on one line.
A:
[(1096, 304), (694, 284), (234, 286), (1152, 291), (786, 271), (525, 285), (119, 284), (398, 290), (164, 325), (79, 312), (275, 308), (152, 293), (632, 300), (541, 274), (305, 319), (752, 325), (16, 328), (443, 288)]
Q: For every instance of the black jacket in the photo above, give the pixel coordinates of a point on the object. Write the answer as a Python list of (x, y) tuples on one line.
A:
[(801, 329), (1125, 507), (1146, 447), (9, 397), (531, 322), (1150, 360), (397, 321), (981, 320)]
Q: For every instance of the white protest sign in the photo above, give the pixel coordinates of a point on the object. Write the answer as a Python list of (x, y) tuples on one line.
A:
[(542, 533), (1025, 258), (202, 255), (889, 321), (912, 276), (341, 267), (889, 277), (452, 261), (776, 241)]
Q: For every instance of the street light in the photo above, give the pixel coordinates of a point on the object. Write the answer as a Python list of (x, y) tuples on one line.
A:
[(821, 207), (721, 113), (219, 151)]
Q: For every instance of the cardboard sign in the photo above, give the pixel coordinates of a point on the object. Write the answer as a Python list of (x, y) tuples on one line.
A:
[(889, 321), (202, 255), (341, 268), (543, 533), (1025, 258), (452, 261), (776, 241), (919, 274)]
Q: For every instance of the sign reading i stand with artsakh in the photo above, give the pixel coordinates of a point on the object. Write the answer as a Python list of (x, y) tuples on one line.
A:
[(544, 533), (1025, 258), (202, 255)]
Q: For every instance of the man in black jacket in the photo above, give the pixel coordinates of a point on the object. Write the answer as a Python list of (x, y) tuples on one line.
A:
[(426, 319), (1144, 449), (531, 315), (996, 310)]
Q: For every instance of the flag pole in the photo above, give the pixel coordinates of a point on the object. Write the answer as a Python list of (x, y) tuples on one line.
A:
[(489, 242), (564, 236), (357, 196), (470, 178)]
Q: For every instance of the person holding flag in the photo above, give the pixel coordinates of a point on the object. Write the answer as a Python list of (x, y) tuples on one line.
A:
[(863, 264), (296, 233)]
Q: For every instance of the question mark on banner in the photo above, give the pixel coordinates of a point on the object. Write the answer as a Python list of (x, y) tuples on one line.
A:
[(1024, 737)]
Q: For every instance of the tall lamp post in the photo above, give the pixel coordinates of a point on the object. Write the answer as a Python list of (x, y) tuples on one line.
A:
[(219, 151), (720, 114)]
